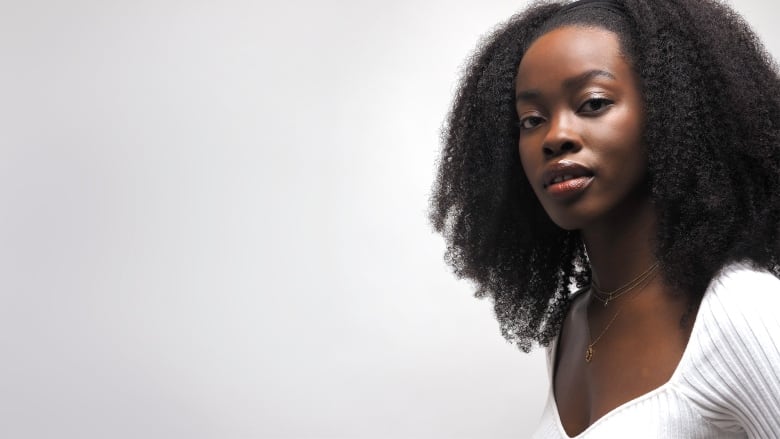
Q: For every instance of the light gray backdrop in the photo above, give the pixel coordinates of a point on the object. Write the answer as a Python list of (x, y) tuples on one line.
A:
[(213, 224)]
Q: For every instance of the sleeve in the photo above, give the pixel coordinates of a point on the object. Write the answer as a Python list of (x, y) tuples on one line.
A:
[(742, 364)]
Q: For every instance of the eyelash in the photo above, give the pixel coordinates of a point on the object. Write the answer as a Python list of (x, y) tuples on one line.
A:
[(521, 122), (604, 102)]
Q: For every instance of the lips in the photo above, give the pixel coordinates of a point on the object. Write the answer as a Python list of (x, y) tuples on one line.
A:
[(566, 177)]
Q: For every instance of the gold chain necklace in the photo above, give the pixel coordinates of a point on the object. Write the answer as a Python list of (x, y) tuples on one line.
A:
[(645, 277), (589, 351), (608, 296)]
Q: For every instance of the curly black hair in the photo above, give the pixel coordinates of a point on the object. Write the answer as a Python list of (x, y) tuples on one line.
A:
[(712, 130)]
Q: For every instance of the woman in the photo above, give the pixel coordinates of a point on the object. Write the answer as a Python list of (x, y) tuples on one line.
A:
[(628, 150)]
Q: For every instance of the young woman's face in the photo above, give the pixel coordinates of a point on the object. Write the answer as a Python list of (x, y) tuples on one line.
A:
[(581, 118)]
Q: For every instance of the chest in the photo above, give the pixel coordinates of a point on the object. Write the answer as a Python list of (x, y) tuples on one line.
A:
[(631, 358), (658, 415)]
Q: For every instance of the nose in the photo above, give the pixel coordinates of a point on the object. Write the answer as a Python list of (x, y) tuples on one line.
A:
[(562, 137)]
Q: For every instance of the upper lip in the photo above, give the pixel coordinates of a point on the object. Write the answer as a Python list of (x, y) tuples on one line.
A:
[(564, 168)]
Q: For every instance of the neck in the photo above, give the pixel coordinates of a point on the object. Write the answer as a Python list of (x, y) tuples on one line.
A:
[(622, 248)]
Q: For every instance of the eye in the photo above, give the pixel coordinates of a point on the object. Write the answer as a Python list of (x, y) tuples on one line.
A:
[(595, 105), (530, 122)]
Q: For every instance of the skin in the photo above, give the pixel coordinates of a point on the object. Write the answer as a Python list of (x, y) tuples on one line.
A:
[(597, 121)]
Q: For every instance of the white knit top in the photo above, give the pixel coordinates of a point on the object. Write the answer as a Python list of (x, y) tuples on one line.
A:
[(727, 384)]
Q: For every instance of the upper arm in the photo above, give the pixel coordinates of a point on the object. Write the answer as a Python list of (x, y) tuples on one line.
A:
[(746, 351)]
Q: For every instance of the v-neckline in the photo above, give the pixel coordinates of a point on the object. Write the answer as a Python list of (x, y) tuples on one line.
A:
[(677, 371)]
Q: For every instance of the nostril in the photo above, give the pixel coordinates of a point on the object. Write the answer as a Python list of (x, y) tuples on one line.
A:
[(548, 151), (567, 146)]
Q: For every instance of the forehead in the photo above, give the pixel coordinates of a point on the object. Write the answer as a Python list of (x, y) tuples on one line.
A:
[(568, 51)]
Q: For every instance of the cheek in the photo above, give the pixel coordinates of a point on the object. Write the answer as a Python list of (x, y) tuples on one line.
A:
[(628, 167), (526, 161), (623, 147), (635, 154)]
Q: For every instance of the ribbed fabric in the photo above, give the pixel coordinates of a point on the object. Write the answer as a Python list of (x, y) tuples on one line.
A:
[(727, 384)]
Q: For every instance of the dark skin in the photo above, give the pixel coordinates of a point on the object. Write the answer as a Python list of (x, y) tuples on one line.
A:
[(579, 103)]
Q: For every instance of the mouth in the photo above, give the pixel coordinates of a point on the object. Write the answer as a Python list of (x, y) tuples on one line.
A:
[(562, 178), (565, 178)]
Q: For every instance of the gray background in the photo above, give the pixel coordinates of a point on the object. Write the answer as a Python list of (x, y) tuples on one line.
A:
[(213, 224)]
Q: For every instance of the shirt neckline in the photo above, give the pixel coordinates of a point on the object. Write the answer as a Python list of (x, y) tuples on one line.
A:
[(663, 387)]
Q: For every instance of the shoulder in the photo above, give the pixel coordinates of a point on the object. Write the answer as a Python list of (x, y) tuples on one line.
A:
[(743, 283), (742, 299), (736, 347), (740, 318)]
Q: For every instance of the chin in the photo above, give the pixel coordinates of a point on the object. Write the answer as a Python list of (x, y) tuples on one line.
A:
[(568, 224), (570, 220)]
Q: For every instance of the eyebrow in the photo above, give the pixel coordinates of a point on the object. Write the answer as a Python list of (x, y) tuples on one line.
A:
[(568, 84)]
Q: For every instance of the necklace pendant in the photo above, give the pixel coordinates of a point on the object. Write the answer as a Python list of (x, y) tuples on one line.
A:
[(589, 354)]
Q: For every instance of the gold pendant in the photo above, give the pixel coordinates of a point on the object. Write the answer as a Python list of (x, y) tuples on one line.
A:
[(589, 354)]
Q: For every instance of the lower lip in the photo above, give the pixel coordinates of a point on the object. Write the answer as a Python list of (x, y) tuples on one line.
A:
[(569, 187)]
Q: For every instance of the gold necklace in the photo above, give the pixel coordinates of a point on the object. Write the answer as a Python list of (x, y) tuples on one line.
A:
[(646, 278), (589, 351), (608, 296)]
